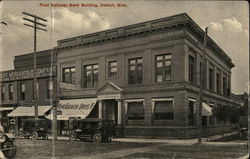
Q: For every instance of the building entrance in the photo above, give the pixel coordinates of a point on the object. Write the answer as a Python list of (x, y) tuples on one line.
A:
[(111, 110)]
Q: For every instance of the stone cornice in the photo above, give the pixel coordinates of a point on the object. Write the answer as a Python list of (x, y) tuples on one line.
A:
[(143, 29)]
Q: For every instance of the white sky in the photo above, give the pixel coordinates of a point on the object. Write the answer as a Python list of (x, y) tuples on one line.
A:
[(227, 23)]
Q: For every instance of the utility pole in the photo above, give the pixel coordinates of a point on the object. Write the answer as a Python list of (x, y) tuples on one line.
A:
[(202, 82), (36, 25)]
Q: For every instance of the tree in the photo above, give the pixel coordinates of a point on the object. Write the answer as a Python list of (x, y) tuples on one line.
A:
[(229, 113)]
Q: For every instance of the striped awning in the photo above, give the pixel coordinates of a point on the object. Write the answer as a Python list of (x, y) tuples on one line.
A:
[(29, 111)]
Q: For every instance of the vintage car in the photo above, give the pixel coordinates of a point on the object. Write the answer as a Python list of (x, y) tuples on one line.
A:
[(98, 130), (30, 129), (7, 146)]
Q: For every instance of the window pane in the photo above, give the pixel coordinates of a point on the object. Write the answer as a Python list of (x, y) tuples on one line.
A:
[(23, 87), (159, 78), (167, 57), (66, 70), (89, 67), (167, 63), (73, 69), (159, 57), (159, 64), (113, 64), (139, 60), (113, 69), (139, 66), (168, 76), (11, 88), (131, 61), (131, 68), (95, 66)]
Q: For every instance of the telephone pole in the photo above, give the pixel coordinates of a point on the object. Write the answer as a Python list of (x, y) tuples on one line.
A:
[(36, 25), (202, 82)]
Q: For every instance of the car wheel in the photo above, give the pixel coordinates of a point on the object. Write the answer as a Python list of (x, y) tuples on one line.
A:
[(45, 137), (15, 134), (26, 137), (34, 136), (73, 137), (10, 151), (97, 137), (110, 138), (83, 139)]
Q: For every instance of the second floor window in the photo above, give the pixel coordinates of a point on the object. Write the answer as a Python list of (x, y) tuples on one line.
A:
[(191, 70), (49, 89), (69, 75), (163, 67), (112, 69), (90, 76), (22, 91), (211, 78), (135, 71), (218, 83), (2, 93), (10, 91), (224, 85)]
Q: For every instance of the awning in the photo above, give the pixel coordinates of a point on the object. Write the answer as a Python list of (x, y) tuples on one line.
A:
[(29, 111), (6, 108), (76, 108), (206, 109)]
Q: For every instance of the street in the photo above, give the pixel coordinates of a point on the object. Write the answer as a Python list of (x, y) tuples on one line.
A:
[(128, 149)]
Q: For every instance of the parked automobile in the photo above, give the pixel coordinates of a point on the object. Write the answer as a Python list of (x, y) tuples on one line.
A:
[(7, 146), (30, 129), (98, 130)]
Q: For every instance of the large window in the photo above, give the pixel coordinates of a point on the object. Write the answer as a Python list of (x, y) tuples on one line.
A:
[(164, 110), (2, 92), (191, 69), (224, 85), (191, 111), (218, 84), (69, 75), (163, 68), (90, 76), (211, 79), (22, 91), (135, 111), (49, 89), (112, 72), (135, 71), (10, 91)]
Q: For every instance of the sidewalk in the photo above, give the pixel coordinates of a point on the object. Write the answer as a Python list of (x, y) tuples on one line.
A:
[(172, 140)]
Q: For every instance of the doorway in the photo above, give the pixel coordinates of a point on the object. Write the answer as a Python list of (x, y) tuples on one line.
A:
[(110, 110)]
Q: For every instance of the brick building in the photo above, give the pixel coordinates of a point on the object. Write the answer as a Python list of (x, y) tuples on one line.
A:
[(17, 86), (145, 77)]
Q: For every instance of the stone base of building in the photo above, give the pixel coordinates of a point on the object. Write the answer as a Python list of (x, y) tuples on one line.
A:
[(175, 132)]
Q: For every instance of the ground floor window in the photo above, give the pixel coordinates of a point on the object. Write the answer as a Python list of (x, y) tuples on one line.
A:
[(191, 116), (135, 111), (164, 110)]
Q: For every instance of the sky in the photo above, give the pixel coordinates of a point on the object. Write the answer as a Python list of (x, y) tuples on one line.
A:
[(227, 23)]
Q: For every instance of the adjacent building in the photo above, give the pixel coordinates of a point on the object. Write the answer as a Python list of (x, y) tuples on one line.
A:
[(17, 87), (146, 77)]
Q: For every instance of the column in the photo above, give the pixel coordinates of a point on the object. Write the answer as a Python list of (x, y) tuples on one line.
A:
[(119, 111), (100, 109)]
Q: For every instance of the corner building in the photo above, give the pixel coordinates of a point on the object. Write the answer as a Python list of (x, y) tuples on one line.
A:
[(146, 77)]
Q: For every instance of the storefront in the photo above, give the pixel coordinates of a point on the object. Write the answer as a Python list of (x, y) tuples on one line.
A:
[(6, 122), (24, 112), (73, 109)]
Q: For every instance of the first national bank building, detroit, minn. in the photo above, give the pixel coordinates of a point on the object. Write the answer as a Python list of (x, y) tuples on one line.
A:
[(146, 76)]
